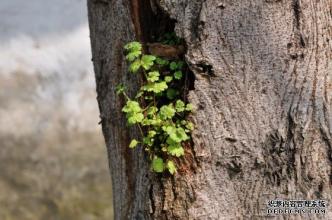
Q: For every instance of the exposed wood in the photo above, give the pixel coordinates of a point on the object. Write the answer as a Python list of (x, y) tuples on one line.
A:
[(166, 51)]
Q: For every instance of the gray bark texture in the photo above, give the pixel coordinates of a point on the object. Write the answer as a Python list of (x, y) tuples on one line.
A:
[(263, 90)]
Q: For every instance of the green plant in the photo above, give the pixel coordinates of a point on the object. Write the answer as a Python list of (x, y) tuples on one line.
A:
[(170, 38), (157, 109)]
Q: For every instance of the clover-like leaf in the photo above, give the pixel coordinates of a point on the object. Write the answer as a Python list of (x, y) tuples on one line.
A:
[(175, 150), (156, 122), (190, 126), (131, 106), (183, 122), (153, 76), (135, 118), (156, 87), (189, 107), (161, 61), (168, 79), (133, 143), (133, 112), (167, 111), (152, 133), (169, 129), (173, 65), (178, 75), (147, 61), (179, 135), (134, 67), (159, 87), (133, 55), (171, 167), (179, 106), (146, 122), (133, 46), (158, 164)]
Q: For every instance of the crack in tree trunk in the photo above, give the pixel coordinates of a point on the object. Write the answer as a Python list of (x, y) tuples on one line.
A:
[(297, 13)]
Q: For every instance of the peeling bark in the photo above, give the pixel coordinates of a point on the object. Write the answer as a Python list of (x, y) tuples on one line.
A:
[(263, 90)]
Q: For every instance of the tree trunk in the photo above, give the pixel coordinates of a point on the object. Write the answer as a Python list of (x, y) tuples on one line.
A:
[(263, 90)]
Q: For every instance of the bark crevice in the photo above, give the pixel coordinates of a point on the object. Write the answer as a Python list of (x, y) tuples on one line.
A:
[(297, 13), (167, 198)]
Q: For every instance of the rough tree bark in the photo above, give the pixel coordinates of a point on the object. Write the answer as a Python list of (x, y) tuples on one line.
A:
[(263, 93)]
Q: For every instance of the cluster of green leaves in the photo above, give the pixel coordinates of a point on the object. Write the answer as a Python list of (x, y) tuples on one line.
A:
[(170, 38), (161, 119)]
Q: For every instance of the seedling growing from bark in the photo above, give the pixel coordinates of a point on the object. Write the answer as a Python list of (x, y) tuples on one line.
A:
[(162, 118)]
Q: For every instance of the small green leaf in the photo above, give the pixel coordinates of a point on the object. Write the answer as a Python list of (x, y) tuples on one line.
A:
[(156, 87), (152, 133), (146, 122), (131, 106), (168, 79), (153, 76), (169, 129), (133, 143), (156, 122), (190, 126), (175, 150), (189, 107), (135, 118), (134, 67), (171, 167), (152, 110), (167, 111), (147, 61), (161, 62), (134, 112), (179, 106), (159, 87), (178, 75), (179, 135), (133, 46), (133, 55), (183, 122), (158, 164), (173, 65)]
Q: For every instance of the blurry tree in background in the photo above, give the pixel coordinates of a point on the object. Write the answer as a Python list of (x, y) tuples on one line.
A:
[(53, 163), (263, 93)]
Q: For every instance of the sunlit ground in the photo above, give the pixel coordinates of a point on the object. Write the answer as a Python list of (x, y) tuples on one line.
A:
[(53, 162)]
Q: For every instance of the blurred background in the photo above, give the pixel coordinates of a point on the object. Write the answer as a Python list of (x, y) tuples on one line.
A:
[(53, 162)]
